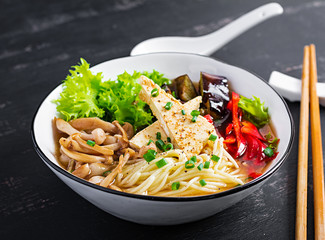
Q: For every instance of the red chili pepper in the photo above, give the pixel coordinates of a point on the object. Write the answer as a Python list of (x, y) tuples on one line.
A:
[(240, 114), (229, 128), (254, 151), (229, 105), (230, 139), (249, 128), (254, 175), (243, 138), (241, 142), (209, 118), (267, 159), (232, 148), (253, 148)]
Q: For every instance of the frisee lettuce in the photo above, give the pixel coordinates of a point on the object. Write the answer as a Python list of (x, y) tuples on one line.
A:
[(79, 96), (157, 77), (86, 95), (272, 143), (121, 101), (254, 110)]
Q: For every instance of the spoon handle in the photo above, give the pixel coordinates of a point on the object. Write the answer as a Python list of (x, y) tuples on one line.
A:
[(208, 44), (214, 41)]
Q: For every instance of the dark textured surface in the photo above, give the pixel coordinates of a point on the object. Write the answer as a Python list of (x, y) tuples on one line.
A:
[(39, 40)]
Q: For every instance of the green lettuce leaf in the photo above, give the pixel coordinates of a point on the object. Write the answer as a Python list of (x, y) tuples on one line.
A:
[(86, 95), (79, 96), (121, 100), (157, 77), (254, 111)]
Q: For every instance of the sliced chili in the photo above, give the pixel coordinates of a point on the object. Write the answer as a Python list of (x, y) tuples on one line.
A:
[(209, 118), (241, 143), (251, 129)]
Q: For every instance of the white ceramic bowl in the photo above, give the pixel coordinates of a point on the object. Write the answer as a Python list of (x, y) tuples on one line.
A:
[(163, 210)]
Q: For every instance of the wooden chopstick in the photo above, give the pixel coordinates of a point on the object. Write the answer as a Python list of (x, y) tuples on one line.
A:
[(317, 152), (301, 207)]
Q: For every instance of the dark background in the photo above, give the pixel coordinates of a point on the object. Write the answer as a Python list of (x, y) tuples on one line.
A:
[(40, 40)]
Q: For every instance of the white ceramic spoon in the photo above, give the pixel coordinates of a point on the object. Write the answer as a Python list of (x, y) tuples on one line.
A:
[(290, 87), (208, 44)]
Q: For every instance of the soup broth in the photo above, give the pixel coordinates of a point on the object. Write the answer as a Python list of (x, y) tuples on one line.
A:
[(198, 139)]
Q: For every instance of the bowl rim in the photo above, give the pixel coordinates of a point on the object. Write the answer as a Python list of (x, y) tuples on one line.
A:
[(228, 192)]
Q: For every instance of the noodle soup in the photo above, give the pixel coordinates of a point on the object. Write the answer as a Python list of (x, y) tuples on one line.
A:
[(145, 134)]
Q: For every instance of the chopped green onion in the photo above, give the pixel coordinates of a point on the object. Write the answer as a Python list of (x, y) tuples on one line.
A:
[(158, 135), (160, 144), (91, 143), (150, 155), (206, 165), (168, 147), (161, 163), (203, 182), (268, 136), (189, 164), (175, 186), (150, 141), (200, 166), (246, 179), (174, 94), (183, 111), (194, 119), (168, 105), (193, 159), (212, 137), (106, 172), (168, 139), (215, 158), (274, 143), (154, 92), (238, 185), (268, 152), (195, 113)]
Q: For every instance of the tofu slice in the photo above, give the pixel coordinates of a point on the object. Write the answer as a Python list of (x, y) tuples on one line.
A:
[(142, 138), (186, 135)]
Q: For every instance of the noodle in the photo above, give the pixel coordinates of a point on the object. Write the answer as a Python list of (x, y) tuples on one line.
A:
[(145, 178), (114, 164), (128, 171)]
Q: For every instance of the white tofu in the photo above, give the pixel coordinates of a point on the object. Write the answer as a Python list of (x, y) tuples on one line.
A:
[(142, 138), (186, 135)]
